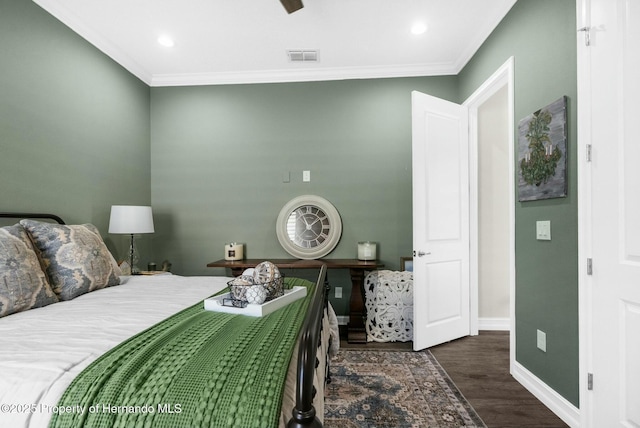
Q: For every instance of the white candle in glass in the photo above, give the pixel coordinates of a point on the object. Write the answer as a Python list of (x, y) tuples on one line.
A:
[(366, 250), (233, 251)]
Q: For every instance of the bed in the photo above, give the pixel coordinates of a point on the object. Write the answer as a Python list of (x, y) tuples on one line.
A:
[(141, 350)]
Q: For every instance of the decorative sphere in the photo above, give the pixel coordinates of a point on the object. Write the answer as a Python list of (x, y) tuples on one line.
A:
[(265, 272), (256, 294), (243, 280)]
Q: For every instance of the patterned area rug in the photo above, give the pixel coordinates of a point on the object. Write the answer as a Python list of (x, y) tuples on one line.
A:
[(396, 389)]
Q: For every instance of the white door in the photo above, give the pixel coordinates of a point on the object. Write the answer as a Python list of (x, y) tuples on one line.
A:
[(440, 221), (608, 118)]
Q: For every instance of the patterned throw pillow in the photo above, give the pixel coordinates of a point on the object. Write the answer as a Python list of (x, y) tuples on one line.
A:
[(23, 284), (75, 257)]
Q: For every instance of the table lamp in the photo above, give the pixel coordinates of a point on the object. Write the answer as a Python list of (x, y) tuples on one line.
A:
[(131, 220)]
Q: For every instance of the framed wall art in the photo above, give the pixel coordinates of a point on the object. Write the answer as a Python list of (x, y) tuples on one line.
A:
[(406, 264), (542, 153)]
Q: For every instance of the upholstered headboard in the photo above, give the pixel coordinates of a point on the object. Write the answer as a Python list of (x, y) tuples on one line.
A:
[(33, 215)]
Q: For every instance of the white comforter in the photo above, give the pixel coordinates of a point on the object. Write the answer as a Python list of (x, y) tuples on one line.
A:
[(42, 350)]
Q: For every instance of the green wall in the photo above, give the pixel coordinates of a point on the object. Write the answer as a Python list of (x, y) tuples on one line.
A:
[(219, 154), (78, 133), (541, 35), (74, 125)]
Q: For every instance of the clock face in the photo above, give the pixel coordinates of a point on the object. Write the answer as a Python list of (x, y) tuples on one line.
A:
[(309, 227)]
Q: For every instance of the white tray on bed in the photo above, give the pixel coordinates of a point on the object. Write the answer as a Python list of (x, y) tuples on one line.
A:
[(215, 303)]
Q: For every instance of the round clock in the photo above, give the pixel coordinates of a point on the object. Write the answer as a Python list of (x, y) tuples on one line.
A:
[(308, 227)]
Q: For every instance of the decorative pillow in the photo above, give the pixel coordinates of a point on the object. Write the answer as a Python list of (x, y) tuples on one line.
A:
[(74, 257), (23, 284)]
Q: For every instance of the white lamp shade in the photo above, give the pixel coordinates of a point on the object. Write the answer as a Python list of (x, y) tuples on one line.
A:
[(130, 219)]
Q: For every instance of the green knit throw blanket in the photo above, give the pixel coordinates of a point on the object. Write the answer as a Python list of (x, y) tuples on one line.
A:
[(195, 369)]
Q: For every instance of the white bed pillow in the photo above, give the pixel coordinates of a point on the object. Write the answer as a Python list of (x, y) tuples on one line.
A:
[(23, 283), (74, 257)]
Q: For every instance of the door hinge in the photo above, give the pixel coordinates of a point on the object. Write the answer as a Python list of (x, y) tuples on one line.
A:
[(589, 266), (590, 381), (587, 35), (588, 152)]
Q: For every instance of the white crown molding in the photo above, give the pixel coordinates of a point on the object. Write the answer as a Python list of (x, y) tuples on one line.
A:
[(300, 75), (72, 21), (306, 74), (484, 34)]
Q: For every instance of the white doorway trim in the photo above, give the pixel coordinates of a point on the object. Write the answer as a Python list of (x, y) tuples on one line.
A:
[(502, 77), (585, 222)]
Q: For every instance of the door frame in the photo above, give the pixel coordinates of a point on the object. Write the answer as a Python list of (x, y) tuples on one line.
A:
[(585, 284), (503, 76)]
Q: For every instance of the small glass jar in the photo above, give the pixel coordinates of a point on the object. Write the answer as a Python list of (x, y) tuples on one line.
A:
[(234, 251), (367, 250)]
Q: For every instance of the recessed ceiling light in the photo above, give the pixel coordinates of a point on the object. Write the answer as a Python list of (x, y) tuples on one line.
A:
[(419, 28), (166, 41)]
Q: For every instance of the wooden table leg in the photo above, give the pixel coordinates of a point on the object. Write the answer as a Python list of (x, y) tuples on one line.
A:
[(356, 332)]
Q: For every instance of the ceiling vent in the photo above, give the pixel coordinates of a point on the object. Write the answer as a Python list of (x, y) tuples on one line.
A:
[(303, 55)]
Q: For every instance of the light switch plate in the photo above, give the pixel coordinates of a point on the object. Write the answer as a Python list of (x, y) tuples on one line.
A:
[(306, 176), (543, 230), (541, 340)]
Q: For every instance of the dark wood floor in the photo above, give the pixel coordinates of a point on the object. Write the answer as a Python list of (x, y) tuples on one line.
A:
[(479, 366)]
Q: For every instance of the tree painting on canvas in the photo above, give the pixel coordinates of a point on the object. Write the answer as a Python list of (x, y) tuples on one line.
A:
[(542, 153)]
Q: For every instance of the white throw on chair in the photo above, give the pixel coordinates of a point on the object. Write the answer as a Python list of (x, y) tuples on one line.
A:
[(389, 303)]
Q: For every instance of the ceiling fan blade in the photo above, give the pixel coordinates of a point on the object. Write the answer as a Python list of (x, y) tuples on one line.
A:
[(292, 5)]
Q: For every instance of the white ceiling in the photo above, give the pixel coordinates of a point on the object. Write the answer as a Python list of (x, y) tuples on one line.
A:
[(246, 41)]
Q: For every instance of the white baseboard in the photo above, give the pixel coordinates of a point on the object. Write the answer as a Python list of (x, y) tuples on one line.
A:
[(494, 324), (483, 323), (550, 398)]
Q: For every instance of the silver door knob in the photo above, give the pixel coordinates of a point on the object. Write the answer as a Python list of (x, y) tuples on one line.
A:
[(422, 253)]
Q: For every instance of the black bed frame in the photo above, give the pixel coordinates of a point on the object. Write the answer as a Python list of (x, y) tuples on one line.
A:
[(32, 215), (304, 414)]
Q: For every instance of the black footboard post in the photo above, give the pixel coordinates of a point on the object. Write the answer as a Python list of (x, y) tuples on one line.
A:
[(304, 414)]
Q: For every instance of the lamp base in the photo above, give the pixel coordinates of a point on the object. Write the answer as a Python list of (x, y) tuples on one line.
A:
[(133, 257)]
